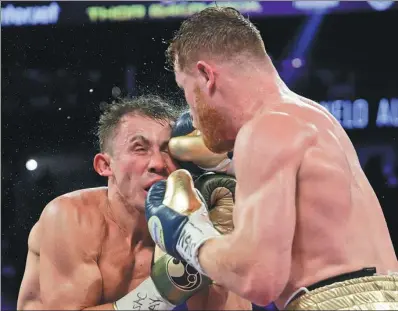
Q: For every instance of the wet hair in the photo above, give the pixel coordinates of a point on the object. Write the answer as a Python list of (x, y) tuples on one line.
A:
[(220, 32), (150, 106)]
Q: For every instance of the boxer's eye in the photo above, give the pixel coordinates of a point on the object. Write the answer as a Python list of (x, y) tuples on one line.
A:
[(165, 150), (138, 148), (165, 147)]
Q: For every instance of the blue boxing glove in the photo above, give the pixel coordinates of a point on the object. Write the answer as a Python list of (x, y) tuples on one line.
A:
[(178, 219), (188, 148)]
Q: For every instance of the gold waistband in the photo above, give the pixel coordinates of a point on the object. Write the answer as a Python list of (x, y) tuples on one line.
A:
[(379, 292)]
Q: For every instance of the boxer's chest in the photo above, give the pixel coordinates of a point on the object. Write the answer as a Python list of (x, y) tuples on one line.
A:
[(123, 268)]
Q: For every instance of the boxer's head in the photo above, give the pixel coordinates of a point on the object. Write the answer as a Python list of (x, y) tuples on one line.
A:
[(211, 54), (133, 137)]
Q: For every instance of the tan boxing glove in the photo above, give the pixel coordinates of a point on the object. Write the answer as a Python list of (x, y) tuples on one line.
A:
[(188, 147), (218, 191)]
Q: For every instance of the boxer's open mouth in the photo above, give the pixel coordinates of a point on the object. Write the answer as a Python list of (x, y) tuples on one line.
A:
[(149, 185)]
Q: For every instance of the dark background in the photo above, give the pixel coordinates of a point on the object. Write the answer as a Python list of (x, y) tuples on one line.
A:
[(49, 113)]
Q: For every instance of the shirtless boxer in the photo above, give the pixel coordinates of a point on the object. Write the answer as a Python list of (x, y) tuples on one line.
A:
[(91, 248), (309, 229)]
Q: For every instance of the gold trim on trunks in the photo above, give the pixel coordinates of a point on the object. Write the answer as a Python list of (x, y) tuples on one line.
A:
[(379, 292)]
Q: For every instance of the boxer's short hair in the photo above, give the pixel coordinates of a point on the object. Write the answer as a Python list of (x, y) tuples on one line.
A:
[(150, 106), (218, 32)]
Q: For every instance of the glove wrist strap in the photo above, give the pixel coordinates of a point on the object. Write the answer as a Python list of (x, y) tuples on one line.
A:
[(192, 237)]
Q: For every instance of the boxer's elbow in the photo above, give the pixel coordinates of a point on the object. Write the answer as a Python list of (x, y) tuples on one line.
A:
[(259, 289), (263, 282)]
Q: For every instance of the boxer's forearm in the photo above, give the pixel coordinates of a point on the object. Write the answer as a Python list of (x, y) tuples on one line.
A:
[(225, 264), (230, 262)]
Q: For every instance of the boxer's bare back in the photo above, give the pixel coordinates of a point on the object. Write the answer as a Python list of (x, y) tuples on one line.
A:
[(339, 224), (79, 258)]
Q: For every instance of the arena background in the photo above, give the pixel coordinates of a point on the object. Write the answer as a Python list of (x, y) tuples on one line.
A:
[(62, 60)]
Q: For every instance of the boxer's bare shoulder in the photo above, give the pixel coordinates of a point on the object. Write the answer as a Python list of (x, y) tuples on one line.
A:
[(65, 241), (273, 136), (76, 215), (79, 206)]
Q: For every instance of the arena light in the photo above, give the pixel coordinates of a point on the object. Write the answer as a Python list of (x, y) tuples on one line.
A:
[(315, 5), (379, 5), (297, 63), (31, 165)]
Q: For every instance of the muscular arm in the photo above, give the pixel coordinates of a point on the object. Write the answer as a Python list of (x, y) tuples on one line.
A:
[(69, 277), (254, 261)]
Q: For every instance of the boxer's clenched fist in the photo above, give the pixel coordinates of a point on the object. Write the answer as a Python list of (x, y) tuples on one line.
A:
[(187, 146), (218, 191), (178, 217)]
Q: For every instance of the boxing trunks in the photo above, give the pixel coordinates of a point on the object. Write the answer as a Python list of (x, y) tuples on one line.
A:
[(359, 290)]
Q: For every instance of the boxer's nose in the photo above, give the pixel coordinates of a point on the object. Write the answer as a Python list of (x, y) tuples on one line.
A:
[(157, 164)]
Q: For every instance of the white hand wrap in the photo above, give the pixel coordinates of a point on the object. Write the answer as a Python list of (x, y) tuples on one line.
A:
[(144, 297), (194, 234)]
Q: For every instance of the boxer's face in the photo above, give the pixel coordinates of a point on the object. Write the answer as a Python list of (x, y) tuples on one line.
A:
[(139, 157), (211, 123), (205, 113)]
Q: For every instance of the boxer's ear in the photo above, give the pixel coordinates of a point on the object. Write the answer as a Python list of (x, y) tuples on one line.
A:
[(102, 164), (206, 75)]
